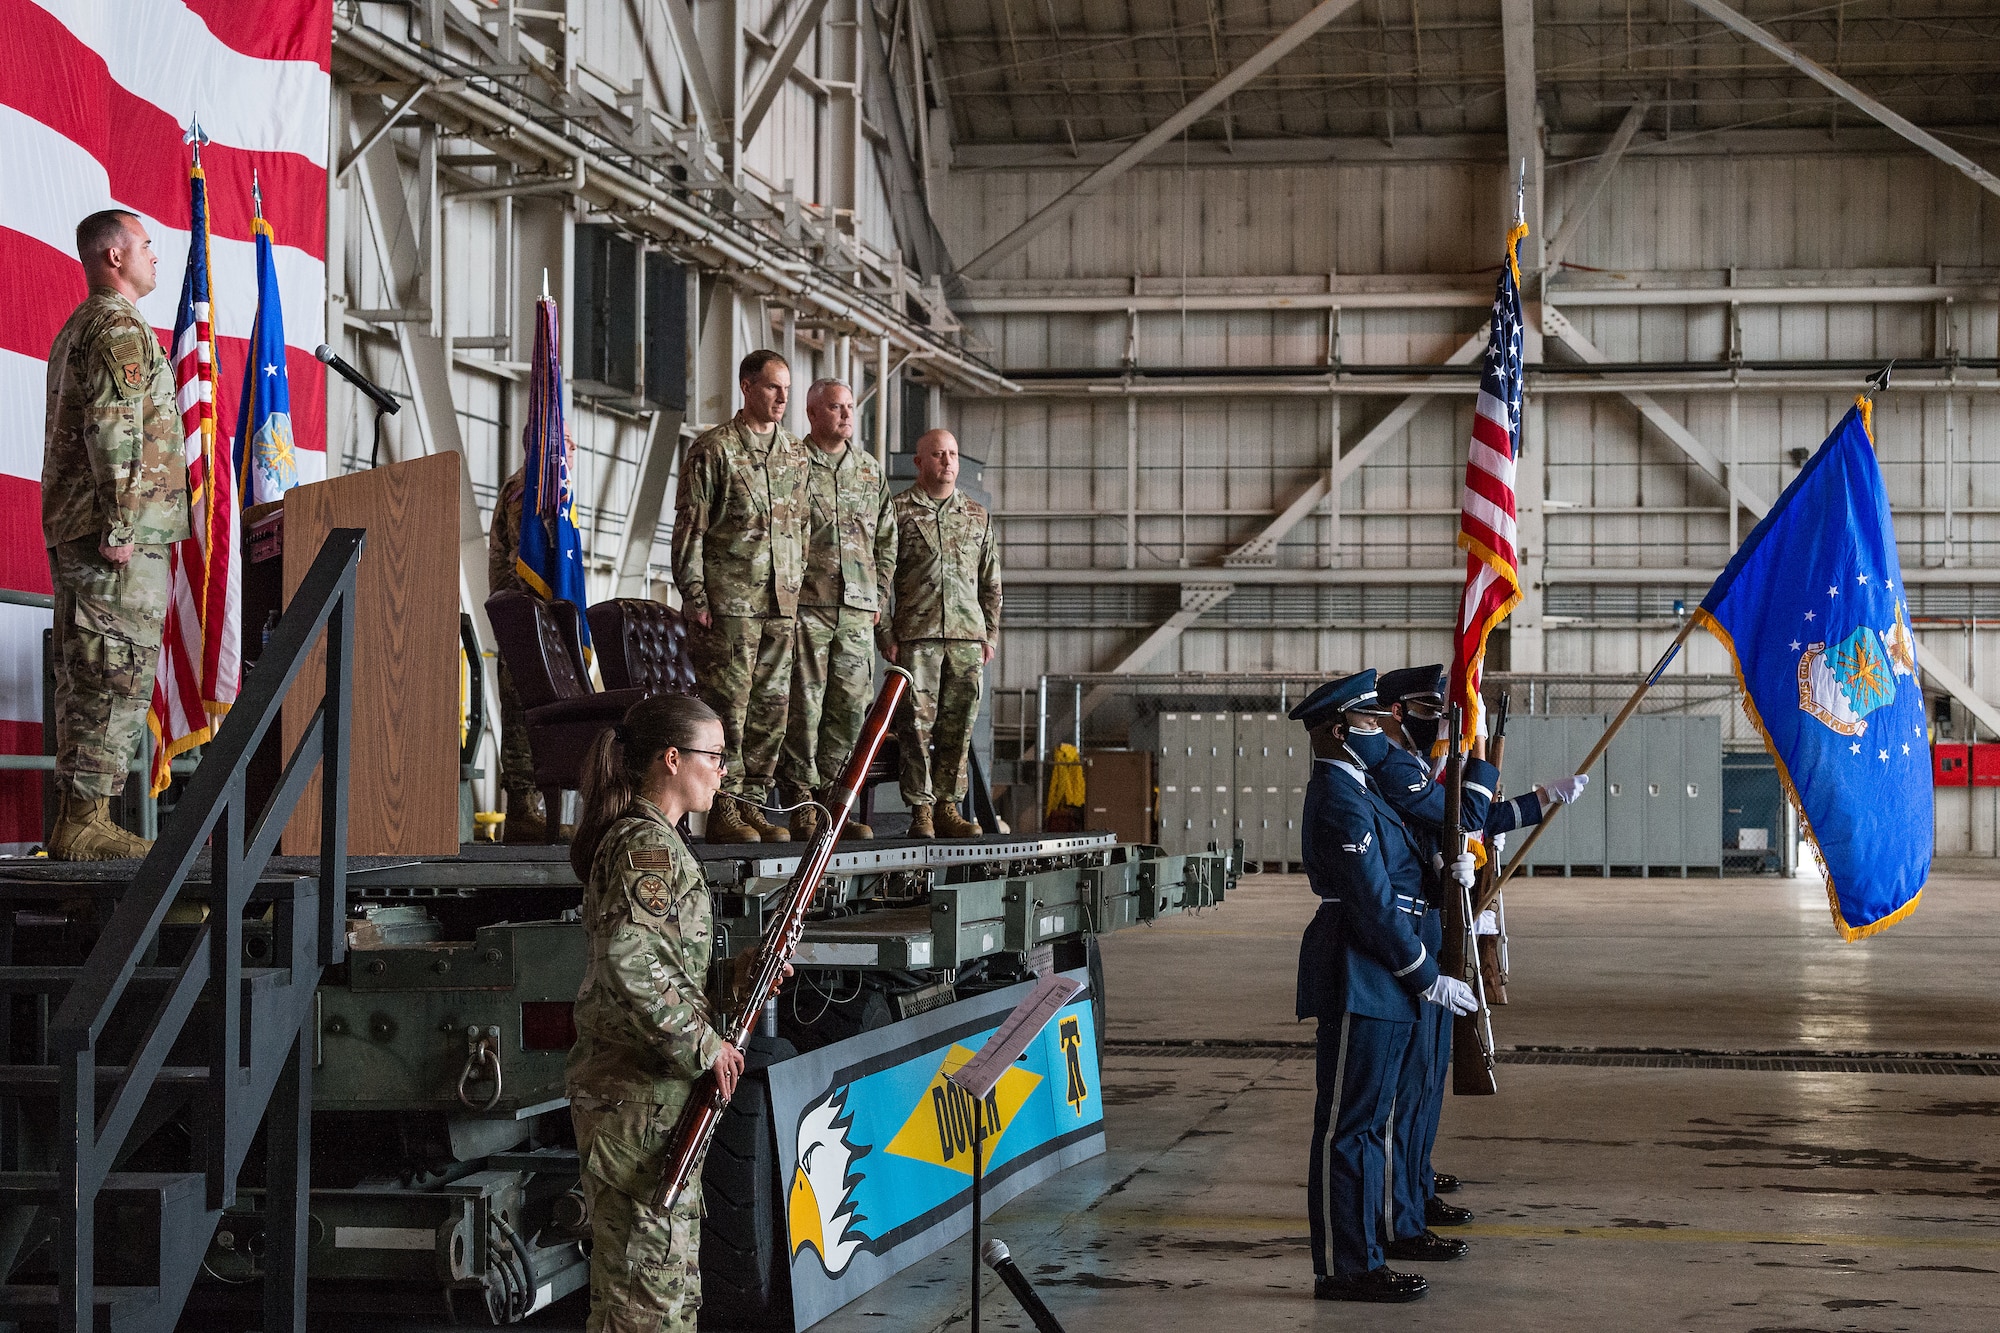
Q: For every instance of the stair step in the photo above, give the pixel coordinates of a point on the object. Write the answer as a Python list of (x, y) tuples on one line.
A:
[(37, 1187), (44, 1078), (55, 980), (118, 1308)]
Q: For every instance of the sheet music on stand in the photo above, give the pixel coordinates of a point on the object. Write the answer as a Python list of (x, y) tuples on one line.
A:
[(979, 1075)]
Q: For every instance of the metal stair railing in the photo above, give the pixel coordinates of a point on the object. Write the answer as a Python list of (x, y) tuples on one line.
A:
[(89, 1134)]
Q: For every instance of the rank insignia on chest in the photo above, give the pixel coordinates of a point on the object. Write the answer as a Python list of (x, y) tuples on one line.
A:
[(650, 893), (134, 375), (652, 858)]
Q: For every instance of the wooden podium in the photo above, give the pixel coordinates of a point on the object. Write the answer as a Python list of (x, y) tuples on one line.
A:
[(403, 792)]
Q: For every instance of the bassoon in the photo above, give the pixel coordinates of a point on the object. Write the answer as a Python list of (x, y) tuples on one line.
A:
[(702, 1115), (1471, 1034)]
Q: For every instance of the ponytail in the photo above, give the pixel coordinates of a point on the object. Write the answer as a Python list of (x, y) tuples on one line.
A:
[(614, 767)]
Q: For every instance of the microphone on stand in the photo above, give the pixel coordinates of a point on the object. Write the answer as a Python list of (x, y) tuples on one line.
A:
[(384, 400), (994, 1252)]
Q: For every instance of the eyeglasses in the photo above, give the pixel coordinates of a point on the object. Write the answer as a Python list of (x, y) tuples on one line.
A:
[(721, 759)]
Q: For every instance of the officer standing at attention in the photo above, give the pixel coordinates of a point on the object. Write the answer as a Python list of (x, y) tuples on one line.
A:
[(739, 556), (644, 1032), (944, 630), (1364, 972), (850, 563), (1414, 700), (114, 498)]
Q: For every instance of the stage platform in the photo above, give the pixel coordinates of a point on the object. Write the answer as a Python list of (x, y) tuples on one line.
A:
[(483, 865)]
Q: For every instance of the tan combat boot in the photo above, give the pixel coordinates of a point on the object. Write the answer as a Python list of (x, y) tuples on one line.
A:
[(804, 823), (920, 822), (84, 832), (753, 815), (526, 822), (951, 824), (725, 822)]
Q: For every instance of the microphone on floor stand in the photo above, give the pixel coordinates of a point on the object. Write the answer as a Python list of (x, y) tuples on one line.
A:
[(994, 1252)]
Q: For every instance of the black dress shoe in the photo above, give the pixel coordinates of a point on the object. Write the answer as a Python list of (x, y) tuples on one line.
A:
[(1379, 1286), (1437, 1213), (1428, 1248), (1443, 1182)]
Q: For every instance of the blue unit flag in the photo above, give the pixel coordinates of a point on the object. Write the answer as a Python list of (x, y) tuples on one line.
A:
[(265, 457), (1814, 614), (551, 555)]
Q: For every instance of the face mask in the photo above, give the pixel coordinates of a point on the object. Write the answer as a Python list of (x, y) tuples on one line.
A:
[(1423, 733), (1369, 746)]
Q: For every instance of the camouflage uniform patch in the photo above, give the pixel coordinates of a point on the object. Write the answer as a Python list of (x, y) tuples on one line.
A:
[(649, 892), (645, 1266), (503, 545), (850, 560), (947, 583)]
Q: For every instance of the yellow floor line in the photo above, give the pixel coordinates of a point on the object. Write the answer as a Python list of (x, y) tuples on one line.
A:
[(1282, 1227)]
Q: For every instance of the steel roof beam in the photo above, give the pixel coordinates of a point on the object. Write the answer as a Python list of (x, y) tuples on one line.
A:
[(1220, 91), (1841, 88), (783, 62)]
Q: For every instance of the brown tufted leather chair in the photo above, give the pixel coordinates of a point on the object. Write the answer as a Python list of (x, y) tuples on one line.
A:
[(642, 645), (543, 648)]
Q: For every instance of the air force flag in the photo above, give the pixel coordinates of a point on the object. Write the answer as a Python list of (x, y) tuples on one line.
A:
[(1813, 612)]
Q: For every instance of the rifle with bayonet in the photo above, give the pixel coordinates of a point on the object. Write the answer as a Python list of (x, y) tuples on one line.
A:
[(1472, 1034)]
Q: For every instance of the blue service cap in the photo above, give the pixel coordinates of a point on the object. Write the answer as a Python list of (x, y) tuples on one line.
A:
[(1349, 694), (1417, 682)]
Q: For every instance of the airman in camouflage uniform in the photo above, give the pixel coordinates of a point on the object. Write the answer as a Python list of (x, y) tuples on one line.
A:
[(114, 498), (644, 1034), (517, 761), (739, 557), (850, 560), (944, 630)]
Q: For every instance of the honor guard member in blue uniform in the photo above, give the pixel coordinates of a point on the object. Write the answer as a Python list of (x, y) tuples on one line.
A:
[(1364, 972), (1414, 701)]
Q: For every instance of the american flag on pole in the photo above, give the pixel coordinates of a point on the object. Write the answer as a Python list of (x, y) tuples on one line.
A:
[(201, 661), (1486, 515)]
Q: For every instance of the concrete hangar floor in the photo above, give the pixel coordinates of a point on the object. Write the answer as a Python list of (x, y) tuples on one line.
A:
[(1766, 1195)]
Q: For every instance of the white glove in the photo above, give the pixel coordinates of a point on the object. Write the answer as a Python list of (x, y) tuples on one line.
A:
[(1496, 843), (1453, 994), (1487, 924), (1564, 790), (1464, 869)]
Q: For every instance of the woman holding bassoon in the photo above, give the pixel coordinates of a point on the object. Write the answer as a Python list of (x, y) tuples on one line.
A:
[(644, 1030)]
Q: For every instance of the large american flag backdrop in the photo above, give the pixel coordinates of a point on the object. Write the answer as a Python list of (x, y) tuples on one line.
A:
[(94, 100)]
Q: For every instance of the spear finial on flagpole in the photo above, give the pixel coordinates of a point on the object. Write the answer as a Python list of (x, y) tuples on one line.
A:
[(256, 196), (1521, 194), (545, 284), (196, 136), (1879, 381)]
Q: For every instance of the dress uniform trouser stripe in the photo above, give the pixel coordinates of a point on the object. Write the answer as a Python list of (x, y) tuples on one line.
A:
[(1326, 1146)]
